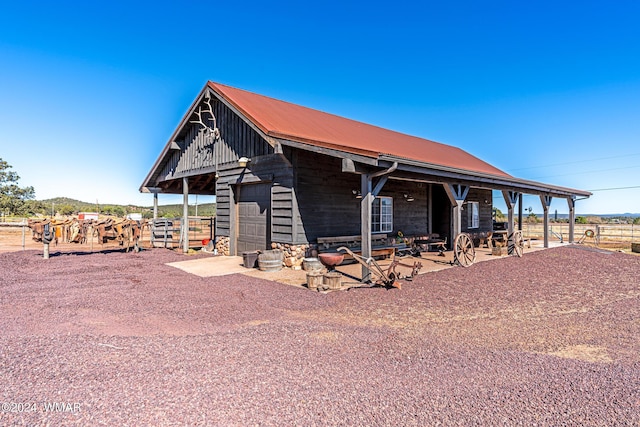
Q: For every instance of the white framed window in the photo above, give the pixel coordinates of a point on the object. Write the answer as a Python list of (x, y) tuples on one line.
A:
[(473, 214), (382, 215)]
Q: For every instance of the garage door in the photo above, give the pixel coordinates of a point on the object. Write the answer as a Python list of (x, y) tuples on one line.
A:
[(253, 217)]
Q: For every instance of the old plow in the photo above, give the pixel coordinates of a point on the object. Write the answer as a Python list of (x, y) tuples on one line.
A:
[(386, 276)]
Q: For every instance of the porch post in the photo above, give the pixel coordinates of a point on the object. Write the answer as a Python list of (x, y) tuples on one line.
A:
[(369, 192), (571, 201), (155, 205), (546, 202), (520, 211), (184, 229), (510, 198), (457, 194), (365, 219)]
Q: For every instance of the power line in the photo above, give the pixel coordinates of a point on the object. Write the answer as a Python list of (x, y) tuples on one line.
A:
[(575, 162), (616, 188), (583, 172)]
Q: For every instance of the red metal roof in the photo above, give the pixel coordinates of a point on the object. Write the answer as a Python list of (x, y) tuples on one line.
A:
[(285, 120)]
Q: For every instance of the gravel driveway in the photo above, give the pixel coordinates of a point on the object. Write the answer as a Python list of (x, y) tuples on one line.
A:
[(552, 338)]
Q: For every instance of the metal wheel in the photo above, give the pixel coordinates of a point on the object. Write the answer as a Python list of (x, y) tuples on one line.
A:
[(392, 279), (518, 243), (463, 250)]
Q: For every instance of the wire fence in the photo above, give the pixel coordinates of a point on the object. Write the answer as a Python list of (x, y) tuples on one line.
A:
[(623, 234), (10, 221)]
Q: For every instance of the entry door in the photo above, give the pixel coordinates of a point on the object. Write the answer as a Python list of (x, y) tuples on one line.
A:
[(253, 217)]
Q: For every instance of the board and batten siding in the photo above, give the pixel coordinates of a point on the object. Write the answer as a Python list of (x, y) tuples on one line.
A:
[(327, 205), (274, 169), (197, 150), (325, 202), (485, 210)]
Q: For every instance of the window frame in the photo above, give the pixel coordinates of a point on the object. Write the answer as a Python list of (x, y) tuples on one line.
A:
[(384, 220), (473, 215)]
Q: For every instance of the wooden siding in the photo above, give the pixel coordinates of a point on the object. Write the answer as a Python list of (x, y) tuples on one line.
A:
[(485, 207), (409, 217), (223, 209), (328, 207), (275, 169), (198, 153), (325, 202), (311, 197)]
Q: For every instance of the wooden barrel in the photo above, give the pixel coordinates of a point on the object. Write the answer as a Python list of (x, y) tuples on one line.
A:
[(314, 279), (312, 264), (269, 264), (270, 261), (332, 280)]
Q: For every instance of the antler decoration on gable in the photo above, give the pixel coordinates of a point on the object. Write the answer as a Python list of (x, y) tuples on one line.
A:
[(209, 110)]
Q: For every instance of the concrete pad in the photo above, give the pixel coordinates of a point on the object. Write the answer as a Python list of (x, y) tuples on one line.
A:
[(214, 266)]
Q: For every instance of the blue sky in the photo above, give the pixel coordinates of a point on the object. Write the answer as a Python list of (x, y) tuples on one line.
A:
[(549, 91)]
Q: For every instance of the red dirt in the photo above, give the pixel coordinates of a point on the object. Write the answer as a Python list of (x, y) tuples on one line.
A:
[(552, 338)]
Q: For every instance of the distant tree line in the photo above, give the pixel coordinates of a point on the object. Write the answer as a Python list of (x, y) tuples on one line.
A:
[(19, 202), (13, 198), (532, 218), (65, 207)]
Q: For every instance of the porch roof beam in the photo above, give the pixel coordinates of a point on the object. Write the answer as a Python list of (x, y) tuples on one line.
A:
[(438, 174)]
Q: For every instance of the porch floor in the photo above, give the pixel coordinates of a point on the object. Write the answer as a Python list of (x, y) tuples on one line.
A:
[(431, 261)]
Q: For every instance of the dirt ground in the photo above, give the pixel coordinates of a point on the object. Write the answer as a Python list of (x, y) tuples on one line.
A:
[(552, 338)]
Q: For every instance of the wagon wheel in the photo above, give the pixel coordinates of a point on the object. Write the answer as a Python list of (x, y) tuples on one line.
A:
[(463, 251), (518, 243)]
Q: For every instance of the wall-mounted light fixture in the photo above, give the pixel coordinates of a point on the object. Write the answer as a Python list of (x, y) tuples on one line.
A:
[(408, 197), (357, 194), (242, 161)]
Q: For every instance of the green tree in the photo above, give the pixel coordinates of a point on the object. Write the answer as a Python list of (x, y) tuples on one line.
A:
[(118, 211), (66, 209), (13, 198), (581, 220), (498, 216)]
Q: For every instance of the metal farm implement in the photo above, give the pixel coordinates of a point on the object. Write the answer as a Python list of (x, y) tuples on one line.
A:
[(383, 276)]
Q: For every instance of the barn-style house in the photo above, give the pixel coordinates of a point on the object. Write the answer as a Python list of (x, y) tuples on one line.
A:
[(284, 173)]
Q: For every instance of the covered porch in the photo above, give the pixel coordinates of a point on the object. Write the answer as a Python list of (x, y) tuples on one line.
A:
[(457, 185)]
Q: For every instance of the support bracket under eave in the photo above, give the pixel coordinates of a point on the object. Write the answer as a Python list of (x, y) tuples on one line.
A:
[(457, 194)]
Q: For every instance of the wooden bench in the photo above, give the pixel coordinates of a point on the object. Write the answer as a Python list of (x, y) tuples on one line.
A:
[(430, 241), (380, 245)]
